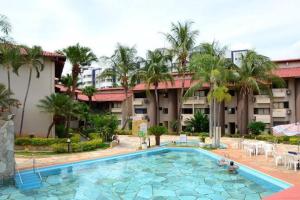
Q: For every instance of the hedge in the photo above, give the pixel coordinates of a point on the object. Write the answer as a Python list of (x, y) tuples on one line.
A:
[(23, 141), (79, 147), (271, 138)]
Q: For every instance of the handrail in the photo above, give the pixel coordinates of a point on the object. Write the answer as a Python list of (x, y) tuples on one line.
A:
[(34, 168), (18, 173)]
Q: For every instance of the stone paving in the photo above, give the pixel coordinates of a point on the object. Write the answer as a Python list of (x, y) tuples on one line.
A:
[(130, 144)]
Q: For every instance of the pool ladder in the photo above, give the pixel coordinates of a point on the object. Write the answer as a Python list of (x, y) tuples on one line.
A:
[(30, 179)]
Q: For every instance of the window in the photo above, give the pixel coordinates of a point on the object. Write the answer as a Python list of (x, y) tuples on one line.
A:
[(140, 95), (231, 92), (165, 110), (200, 93), (262, 111), (140, 110), (202, 110), (231, 110), (117, 105), (280, 105), (187, 110)]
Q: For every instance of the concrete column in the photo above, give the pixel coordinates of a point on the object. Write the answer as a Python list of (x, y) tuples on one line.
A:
[(7, 155)]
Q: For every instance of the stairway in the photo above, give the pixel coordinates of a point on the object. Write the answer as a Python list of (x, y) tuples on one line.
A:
[(30, 180)]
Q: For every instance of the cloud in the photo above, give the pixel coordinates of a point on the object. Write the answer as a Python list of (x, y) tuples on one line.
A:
[(271, 26)]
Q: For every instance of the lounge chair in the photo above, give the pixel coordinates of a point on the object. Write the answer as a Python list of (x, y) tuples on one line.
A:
[(183, 138)]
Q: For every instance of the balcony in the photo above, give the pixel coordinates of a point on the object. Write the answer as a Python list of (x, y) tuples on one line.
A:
[(195, 100), (116, 110), (263, 118), (282, 112), (264, 99), (186, 117), (281, 92), (138, 101)]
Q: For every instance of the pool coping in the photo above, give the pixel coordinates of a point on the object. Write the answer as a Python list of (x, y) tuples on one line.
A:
[(248, 170)]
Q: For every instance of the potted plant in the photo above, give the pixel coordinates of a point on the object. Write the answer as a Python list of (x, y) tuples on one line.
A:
[(143, 144), (157, 131), (202, 137)]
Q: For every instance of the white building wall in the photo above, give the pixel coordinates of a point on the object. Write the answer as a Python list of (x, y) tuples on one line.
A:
[(35, 122)]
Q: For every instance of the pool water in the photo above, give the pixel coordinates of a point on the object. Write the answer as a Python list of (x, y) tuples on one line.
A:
[(167, 174)]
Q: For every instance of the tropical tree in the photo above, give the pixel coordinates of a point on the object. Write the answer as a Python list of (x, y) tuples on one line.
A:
[(89, 91), (33, 60), (154, 72), (124, 64), (198, 123), (255, 75), (67, 81), (5, 98), (57, 105), (209, 65), (182, 40), (78, 56), (5, 28), (10, 60)]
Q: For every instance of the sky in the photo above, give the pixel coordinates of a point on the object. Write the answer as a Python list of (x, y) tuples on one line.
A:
[(271, 27)]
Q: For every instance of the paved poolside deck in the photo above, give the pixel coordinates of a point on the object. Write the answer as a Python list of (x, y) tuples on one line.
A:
[(130, 144)]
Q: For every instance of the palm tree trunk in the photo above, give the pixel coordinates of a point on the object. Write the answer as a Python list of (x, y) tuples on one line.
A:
[(24, 102), (75, 72), (211, 118), (127, 108), (242, 113), (90, 102), (179, 127), (49, 129), (67, 125), (9, 87), (156, 105)]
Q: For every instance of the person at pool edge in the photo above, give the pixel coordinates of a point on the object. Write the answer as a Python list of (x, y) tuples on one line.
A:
[(232, 168)]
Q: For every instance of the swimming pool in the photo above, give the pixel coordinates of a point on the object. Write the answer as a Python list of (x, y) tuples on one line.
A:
[(164, 173)]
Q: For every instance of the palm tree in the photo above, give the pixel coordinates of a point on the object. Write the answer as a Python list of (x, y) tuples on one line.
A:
[(182, 40), (33, 60), (10, 60), (67, 81), (154, 72), (124, 64), (55, 104), (5, 99), (255, 75), (78, 56), (210, 66), (5, 28), (89, 91)]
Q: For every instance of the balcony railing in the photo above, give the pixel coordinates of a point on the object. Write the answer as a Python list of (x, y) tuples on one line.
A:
[(263, 118), (195, 100), (281, 112), (281, 92), (262, 99), (116, 110), (138, 101)]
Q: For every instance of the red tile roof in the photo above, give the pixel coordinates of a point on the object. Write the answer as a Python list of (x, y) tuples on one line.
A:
[(105, 97), (62, 88), (288, 72), (162, 86), (287, 60), (52, 54)]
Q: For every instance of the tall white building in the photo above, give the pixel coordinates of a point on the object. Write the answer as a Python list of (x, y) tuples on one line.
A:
[(90, 77)]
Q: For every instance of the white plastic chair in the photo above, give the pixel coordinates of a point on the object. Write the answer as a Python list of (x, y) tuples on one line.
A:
[(292, 161), (269, 150), (183, 138), (278, 158)]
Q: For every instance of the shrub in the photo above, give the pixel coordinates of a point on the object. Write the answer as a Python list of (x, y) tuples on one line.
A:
[(75, 138), (123, 132), (38, 141), (60, 130), (294, 140), (94, 136), (91, 145), (157, 131), (106, 125), (59, 148), (256, 127), (199, 123)]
